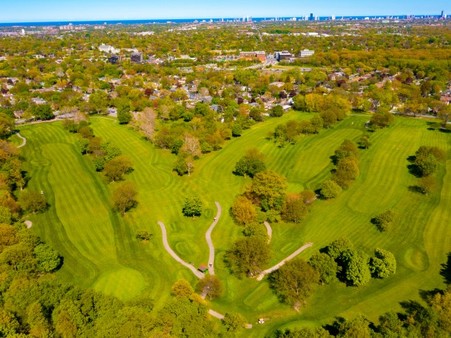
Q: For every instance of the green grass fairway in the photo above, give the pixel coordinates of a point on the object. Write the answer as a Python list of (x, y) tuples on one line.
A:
[(100, 249)]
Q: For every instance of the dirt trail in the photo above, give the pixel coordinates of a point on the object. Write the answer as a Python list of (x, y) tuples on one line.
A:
[(196, 272), (24, 141), (268, 231), (282, 262), (211, 257)]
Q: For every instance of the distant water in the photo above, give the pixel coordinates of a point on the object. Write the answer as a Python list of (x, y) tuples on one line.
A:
[(181, 21)]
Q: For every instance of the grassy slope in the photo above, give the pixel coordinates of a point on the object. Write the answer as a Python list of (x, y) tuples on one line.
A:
[(419, 240)]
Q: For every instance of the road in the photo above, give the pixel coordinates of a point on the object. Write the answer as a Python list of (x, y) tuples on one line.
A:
[(196, 272), (290, 257), (211, 257)]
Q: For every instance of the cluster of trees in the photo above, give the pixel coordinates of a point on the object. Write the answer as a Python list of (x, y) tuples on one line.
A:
[(352, 266), (266, 198), (384, 221), (33, 302), (107, 159), (431, 318), (424, 165), (345, 172), (291, 130)]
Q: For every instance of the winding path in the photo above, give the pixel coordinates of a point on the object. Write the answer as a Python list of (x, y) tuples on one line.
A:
[(24, 141), (282, 262), (196, 272), (268, 231), (211, 247)]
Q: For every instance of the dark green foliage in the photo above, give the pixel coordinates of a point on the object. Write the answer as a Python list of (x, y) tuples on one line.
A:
[(43, 112), (276, 111), (192, 206), (32, 201), (326, 267), (355, 267), (48, 259), (294, 282), (250, 164), (383, 264), (124, 117)]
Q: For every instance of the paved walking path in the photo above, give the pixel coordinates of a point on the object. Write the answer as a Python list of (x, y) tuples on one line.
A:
[(24, 141), (196, 272), (290, 257), (268, 230), (211, 257)]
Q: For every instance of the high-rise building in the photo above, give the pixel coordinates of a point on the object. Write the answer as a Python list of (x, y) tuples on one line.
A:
[(311, 17)]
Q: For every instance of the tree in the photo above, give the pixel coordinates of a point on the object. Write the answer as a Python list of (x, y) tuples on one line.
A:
[(6, 125), (243, 211), (192, 206), (383, 264), (250, 164), (364, 142), (355, 267), (294, 208), (48, 259), (191, 146), (346, 149), (98, 102), (32, 201), (384, 220), (346, 172), (182, 289), (326, 267), (43, 112), (330, 189), (294, 282), (426, 184), (124, 197), (276, 111), (145, 121), (210, 286), (248, 256), (233, 322), (381, 119), (269, 188), (115, 169), (426, 164), (124, 117)]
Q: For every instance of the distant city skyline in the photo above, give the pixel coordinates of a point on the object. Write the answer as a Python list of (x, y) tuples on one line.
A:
[(85, 10)]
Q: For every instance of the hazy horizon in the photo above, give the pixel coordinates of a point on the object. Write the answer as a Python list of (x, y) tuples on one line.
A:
[(99, 10)]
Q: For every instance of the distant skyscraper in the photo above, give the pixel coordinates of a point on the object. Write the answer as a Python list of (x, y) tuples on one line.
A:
[(311, 17)]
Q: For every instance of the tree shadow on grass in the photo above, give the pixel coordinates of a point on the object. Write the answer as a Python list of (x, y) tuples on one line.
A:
[(445, 271)]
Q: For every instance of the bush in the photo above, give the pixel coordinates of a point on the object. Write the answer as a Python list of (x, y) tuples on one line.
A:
[(32, 201), (48, 259), (330, 189), (192, 207), (384, 220)]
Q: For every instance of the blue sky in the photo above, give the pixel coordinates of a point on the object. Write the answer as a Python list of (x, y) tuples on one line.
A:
[(56, 10)]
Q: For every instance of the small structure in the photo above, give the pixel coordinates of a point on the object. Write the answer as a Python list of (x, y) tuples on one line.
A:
[(283, 55), (250, 56), (306, 53), (137, 58), (203, 268)]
